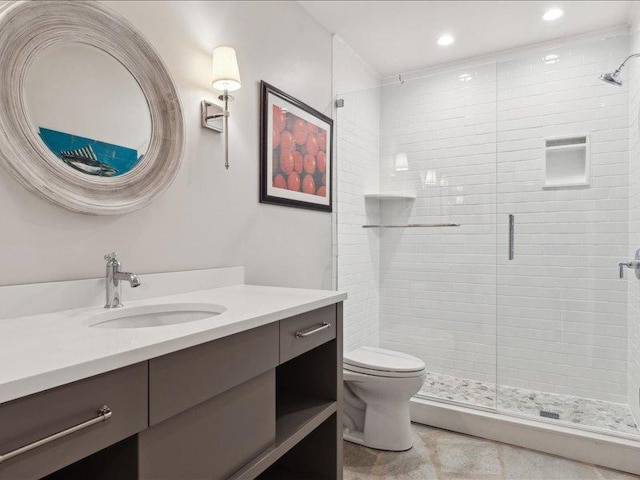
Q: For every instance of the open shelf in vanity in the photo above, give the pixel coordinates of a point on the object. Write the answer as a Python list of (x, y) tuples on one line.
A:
[(307, 442)]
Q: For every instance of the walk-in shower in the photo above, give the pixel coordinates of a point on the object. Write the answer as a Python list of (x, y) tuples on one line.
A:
[(508, 187)]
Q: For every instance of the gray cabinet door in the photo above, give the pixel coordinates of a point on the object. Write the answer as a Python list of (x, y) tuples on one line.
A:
[(181, 380), (213, 439)]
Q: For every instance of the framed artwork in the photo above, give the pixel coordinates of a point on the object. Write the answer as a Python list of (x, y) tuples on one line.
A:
[(295, 152)]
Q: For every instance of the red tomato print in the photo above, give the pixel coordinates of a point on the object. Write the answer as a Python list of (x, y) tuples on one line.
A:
[(286, 142), (279, 182), (322, 140), (312, 145), (310, 164), (293, 182), (299, 154), (300, 131), (321, 160), (279, 118), (286, 161), (308, 185)]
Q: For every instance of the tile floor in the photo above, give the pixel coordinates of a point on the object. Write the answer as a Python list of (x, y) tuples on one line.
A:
[(443, 455), (583, 411)]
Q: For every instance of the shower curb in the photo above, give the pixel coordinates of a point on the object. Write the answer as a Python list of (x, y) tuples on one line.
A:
[(584, 446)]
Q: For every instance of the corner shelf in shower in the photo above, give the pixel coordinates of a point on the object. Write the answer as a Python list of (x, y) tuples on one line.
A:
[(413, 225), (390, 196)]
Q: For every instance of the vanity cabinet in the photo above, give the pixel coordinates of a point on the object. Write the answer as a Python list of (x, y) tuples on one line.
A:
[(263, 403)]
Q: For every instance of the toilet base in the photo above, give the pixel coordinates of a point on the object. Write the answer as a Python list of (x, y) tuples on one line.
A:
[(358, 438), (376, 410)]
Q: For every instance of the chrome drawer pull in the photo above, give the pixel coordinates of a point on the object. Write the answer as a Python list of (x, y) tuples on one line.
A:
[(311, 331), (103, 414)]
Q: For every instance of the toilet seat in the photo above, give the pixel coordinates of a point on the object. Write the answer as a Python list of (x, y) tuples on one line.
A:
[(379, 362)]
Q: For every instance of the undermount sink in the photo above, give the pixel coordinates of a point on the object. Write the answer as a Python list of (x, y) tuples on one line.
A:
[(158, 315)]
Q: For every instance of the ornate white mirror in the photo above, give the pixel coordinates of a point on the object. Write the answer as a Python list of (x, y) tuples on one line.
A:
[(91, 118)]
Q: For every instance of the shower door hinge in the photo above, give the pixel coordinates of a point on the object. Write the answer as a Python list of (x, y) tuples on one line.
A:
[(339, 102)]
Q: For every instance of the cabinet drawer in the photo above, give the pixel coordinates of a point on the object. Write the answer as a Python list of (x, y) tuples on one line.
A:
[(181, 380), (306, 331), (41, 415)]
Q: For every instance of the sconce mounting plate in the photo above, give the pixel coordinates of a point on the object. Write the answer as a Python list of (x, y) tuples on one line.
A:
[(208, 109)]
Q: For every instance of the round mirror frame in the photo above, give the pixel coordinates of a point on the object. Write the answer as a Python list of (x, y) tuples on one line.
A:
[(27, 28)]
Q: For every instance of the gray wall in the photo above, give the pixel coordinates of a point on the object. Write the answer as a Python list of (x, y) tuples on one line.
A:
[(210, 217)]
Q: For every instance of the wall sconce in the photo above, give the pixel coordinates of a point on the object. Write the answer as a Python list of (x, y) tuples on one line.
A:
[(226, 78), (431, 178), (401, 162)]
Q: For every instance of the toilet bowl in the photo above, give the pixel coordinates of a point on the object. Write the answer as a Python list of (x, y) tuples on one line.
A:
[(378, 385)]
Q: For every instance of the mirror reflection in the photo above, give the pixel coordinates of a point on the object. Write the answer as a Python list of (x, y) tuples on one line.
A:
[(88, 109)]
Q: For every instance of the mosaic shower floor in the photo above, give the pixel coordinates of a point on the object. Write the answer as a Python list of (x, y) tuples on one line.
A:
[(577, 410)]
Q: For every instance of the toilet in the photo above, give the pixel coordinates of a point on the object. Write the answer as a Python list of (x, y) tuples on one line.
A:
[(378, 385)]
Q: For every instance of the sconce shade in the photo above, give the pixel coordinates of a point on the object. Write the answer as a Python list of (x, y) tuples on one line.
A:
[(402, 162), (431, 178), (226, 75)]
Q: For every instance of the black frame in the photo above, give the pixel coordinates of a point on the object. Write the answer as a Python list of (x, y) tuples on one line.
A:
[(265, 90)]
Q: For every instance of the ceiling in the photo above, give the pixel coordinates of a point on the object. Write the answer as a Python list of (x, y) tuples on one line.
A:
[(400, 36)]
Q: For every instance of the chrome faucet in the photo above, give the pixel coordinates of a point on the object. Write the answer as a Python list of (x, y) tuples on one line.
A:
[(114, 275)]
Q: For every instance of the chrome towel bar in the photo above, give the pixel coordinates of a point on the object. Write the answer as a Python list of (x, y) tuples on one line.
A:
[(104, 413), (414, 225)]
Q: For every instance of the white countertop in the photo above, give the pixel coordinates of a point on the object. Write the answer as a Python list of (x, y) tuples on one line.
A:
[(43, 351)]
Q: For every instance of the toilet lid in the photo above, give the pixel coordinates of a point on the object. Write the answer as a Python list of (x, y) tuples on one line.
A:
[(380, 360)]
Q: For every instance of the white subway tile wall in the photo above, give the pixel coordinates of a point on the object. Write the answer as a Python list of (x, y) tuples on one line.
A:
[(474, 140)]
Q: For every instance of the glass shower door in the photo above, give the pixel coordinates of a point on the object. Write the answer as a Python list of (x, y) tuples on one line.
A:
[(562, 172), (437, 241)]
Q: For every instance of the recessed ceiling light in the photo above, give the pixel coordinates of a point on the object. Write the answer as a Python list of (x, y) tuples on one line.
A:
[(552, 14), (445, 40), (551, 58), (465, 77)]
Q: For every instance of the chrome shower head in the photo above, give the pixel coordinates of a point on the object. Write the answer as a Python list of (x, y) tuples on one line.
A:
[(612, 78)]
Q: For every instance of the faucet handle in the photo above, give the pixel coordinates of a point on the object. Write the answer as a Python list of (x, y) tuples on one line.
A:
[(622, 266), (111, 257)]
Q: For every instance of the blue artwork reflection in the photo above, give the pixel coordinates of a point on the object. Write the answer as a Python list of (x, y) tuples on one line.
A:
[(90, 156)]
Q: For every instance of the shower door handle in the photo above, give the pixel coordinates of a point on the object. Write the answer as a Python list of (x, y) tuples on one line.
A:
[(511, 235)]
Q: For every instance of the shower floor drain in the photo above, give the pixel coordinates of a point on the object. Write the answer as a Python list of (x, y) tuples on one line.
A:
[(544, 413)]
